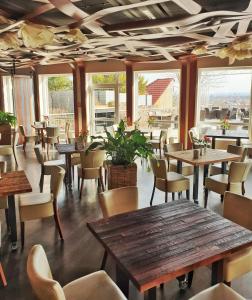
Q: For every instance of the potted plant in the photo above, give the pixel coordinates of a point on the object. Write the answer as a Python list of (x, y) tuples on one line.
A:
[(7, 120), (202, 143), (122, 149), (225, 125)]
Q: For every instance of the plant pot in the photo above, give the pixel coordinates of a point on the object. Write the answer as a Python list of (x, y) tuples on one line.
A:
[(120, 176), (5, 131), (223, 131)]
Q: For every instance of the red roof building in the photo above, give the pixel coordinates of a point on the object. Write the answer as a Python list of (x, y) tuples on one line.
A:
[(157, 88)]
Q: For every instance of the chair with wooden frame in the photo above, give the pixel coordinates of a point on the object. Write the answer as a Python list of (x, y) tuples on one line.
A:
[(233, 181), (168, 182), (27, 138), (95, 286), (46, 166), (2, 275), (52, 136), (238, 209), (33, 206), (4, 199), (233, 149), (187, 169), (218, 292), (157, 144), (118, 201), (9, 150), (91, 168)]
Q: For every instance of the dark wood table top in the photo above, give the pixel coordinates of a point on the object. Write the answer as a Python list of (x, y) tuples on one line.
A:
[(156, 244), (67, 149), (229, 134), (13, 183), (211, 156)]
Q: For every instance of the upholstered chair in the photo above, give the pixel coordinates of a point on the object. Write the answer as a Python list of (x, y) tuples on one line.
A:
[(95, 286), (218, 292), (118, 201), (194, 134), (27, 138), (233, 181), (34, 206), (157, 144), (168, 182), (187, 169), (238, 209), (91, 167), (46, 166), (52, 137)]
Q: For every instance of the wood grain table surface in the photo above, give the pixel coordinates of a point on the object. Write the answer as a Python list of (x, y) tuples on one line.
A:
[(156, 244)]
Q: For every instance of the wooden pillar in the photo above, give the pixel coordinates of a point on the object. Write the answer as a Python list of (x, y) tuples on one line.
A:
[(188, 95), (83, 84), (76, 80), (1, 94), (36, 95), (129, 93)]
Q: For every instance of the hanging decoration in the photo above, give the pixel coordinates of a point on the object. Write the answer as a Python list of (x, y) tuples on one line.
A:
[(75, 35), (200, 50), (9, 40)]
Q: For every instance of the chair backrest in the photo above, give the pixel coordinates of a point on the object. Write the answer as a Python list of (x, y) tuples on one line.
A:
[(239, 150), (39, 155), (173, 147), (118, 201), (21, 130), (92, 159), (193, 133), (52, 131), (238, 172), (163, 136), (3, 166), (14, 138), (159, 168), (238, 209), (57, 177), (40, 276)]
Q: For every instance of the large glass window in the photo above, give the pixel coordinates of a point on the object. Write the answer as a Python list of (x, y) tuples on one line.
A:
[(157, 101), (224, 93)]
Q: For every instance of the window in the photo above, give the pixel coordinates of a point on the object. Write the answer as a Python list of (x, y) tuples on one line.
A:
[(224, 93), (157, 101)]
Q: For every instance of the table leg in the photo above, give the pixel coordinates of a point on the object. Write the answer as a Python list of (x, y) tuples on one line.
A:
[(213, 142), (12, 221), (206, 167), (224, 167), (152, 293), (68, 171), (179, 166), (122, 281), (217, 272), (195, 184)]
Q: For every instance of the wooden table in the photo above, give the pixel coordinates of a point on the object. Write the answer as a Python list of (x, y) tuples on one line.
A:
[(229, 134), (156, 244), (13, 183), (68, 150), (210, 157)]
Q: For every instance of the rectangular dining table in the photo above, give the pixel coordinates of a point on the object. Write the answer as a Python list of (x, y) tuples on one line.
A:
[(12, 183), (229, 134), (157, 244), (211, 156)]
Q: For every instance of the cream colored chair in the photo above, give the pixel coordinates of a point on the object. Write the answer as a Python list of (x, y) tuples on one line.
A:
[(27, 138), (91, 167), (238, 209), (187, 169), (34, 206), (52, 137), (233, 149), (158, 144), (2, 275), (95, 286), (218, 292), (4, 199), (10, 149), (118, 201), (194, 134), (46, 166), (168, 182), (233, 181)]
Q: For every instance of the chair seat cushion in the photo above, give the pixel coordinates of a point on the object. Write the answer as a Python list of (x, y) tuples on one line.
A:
[(238, 264), (35, 206), (187, 169), (88, 173), (219, 184), (175, 183), (96, 286)]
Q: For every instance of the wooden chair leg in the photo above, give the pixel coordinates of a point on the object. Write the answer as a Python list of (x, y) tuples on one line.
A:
[(24, 145), (243, 188), (57, 220), (153, 192), (205, 197), (2, 276), (7, 219), (222, 198), (104, 259), (166, 197), (73, 172), (179, 193), (41, 182), (82, 181), (227, 283), (15, 157), (188, 194), (190, 279), (105, 176), (22, 228), (101, 180), (173, 196)]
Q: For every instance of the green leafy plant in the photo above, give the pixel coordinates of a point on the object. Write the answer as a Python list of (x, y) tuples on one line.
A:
[(7, 118), (123, 148), (225, 124)]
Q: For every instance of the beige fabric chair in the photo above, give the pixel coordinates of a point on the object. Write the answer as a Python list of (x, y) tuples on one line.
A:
[(194, 134), (233, 181), (91, 167), (46, 166), (157, 144), (96, 286), (118, 201), (218, 292), (238, 209), (52, 136), (4, 199), (34, 206), (2, 275), (168, 182), (27, 138), (10, 149), (187, 169), (238, 150)]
